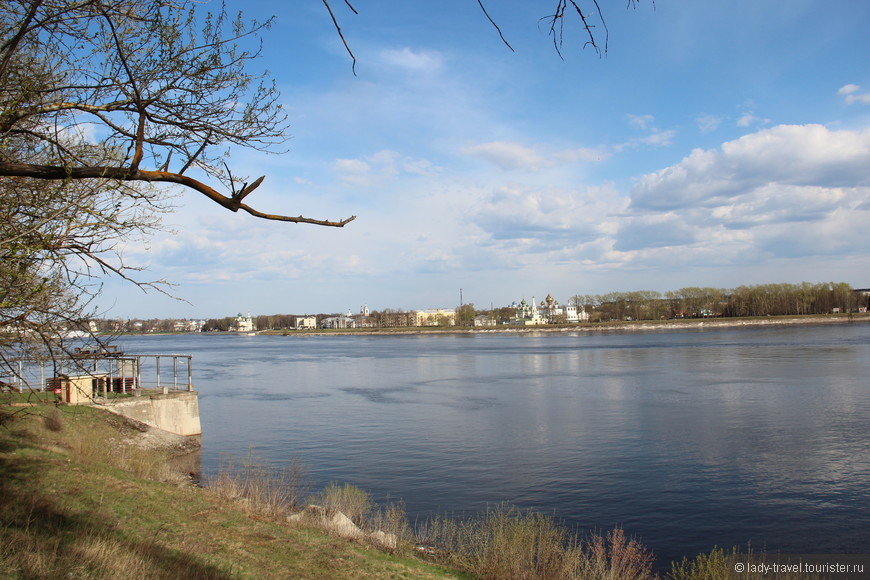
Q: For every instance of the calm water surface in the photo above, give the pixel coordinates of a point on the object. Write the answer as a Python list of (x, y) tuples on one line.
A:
[(685, 439)]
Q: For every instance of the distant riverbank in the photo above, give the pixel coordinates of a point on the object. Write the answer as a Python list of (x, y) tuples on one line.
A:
[(613, 326)]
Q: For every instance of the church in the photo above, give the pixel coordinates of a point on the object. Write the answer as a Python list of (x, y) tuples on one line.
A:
[(548, 312)]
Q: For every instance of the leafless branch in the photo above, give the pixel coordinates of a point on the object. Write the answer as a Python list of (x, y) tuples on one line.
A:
[(491, 21), (232, 203), (340, 33)]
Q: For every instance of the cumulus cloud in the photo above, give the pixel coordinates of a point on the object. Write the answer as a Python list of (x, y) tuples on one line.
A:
[(779, 193), (797, 155), (533, 220), (654, 231), (788, 191), (851, 94)]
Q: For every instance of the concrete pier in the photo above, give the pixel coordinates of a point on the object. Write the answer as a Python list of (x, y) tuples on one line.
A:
[(173, 411)]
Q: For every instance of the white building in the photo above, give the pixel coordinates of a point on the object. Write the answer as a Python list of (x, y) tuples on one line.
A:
[(189, 325), (306, 322), (243, 323), (484, 320), (435, 317), (338, 322)]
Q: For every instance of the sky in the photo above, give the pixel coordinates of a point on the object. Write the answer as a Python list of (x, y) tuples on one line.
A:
[(715, 144)]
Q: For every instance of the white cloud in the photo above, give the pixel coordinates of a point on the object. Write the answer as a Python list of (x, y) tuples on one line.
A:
[(413, 60), (654, 231), (381, 167), (788, 191), (848, 90), (805, 155), (510, 155), (507, 155), (642, 121), (522, 219), (851, 95), (747, 119), (583, 155), (659, 138), (656, 137), (708, 123)]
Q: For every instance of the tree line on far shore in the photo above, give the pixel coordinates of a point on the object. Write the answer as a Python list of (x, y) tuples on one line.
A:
[(760, 300)]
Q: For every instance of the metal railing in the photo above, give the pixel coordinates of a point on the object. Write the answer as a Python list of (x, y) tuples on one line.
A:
[(119, 373)]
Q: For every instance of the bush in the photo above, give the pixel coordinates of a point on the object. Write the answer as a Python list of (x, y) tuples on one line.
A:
[(53, 421), (614, 556), (506, 542), (503, 542), (347, 499)]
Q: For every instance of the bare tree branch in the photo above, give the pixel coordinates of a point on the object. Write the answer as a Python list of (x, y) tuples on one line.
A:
[(491, 21), (233, 203), (162, 81), (340, 33)]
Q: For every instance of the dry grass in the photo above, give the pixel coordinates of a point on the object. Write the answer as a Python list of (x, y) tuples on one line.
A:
[(261, 488), (53, 420), (724, 565), (68, 513), (347, 499), (505, 542), (613, 556)]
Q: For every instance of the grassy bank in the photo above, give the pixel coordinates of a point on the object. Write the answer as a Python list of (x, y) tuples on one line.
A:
[(80, 501), (82, 498)]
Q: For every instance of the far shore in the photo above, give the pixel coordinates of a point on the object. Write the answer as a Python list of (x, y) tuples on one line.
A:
[(617, 326)]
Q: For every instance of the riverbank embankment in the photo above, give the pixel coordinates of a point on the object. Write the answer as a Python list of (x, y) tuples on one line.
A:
[(591, 327)]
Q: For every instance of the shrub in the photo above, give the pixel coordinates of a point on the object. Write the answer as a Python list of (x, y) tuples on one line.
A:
[(720, 565), (613, 556), (503, 542), (53, 421), (506, 542), (347, 499), (391, 519)]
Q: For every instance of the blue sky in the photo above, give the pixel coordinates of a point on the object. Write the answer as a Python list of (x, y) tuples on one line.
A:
[(717, 144)]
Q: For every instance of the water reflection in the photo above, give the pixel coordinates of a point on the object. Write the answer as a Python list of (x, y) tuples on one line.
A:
[(687, 440)]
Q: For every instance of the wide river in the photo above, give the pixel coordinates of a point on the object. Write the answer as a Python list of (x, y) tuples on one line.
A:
[(686, 439)]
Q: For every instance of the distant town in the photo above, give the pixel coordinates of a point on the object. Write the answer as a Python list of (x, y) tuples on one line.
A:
[(744, 301)]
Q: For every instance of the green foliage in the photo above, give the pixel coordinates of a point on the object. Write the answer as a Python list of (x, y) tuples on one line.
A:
[(465, 315)]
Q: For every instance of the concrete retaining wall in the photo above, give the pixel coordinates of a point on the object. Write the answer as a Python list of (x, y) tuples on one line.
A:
[(175, 411)]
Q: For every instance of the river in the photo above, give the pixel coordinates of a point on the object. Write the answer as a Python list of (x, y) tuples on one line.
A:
[(687, 439)]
